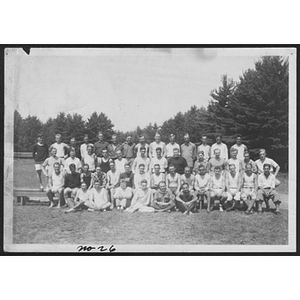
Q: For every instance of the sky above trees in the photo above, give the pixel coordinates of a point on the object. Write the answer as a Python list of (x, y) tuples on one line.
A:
[(132, 86)]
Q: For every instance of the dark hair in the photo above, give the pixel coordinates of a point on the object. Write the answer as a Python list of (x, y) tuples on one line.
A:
[(72, 166), (267, 165)]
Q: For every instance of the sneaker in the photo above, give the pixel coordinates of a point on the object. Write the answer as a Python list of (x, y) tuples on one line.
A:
[(104, 209), (220, 208), (90, 209)]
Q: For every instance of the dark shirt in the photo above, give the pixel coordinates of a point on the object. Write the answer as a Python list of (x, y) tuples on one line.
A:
[(99, 146), (128, 178), (86, 178), (179, 163), (128, 150), (40, 153), (72, 180), (187, 197), (103, 165)]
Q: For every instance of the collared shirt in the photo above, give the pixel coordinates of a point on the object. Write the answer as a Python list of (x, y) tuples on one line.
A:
[(112, 149), (223, 148), (169, 149), (189, 152), (164, 197), (260, 165), (264, 182), (206, 150), (128, 150), (99, 146)]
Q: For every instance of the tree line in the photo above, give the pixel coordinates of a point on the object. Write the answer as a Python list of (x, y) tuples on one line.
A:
[(256, 107)]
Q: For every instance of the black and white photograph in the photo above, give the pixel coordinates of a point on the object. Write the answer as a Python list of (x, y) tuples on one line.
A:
[(150, 149)]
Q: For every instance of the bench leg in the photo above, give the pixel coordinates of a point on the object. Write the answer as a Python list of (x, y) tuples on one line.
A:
[(23, 200)]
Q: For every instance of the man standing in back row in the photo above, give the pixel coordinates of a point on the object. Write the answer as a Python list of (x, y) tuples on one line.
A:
[(171, 146), (189, 151), (223, 148), (100, 145)]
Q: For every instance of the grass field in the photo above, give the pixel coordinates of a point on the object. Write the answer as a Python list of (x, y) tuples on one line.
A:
[(40, 225)]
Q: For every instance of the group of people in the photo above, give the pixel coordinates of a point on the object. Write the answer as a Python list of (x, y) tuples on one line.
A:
[(155, 177)]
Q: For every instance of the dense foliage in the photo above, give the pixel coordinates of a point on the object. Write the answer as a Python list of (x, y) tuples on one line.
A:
[(255, 107)]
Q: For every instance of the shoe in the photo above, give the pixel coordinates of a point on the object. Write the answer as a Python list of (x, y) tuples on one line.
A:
[(220, 208), (277, 212), (104, 209), (90, 209), (41, 189)]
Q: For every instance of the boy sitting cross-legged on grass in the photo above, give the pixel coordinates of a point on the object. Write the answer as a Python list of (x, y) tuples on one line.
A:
[(123, 195), (82, 196)]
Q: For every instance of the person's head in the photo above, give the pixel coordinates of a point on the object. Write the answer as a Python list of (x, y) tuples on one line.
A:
[(157, 137), (142, 168), (158, 152), (219, 139), (247, 156), (262, 154), (119, 154), (233, 153), (200, 155), (114, 139), (143, 151), (58, 138), (100, 136), (98, 170), (40, 139), (97, 185), (267, 168), (112, 165), (248, 169), (127, 168), (142, 139), (128, 139), (217, 170), (56, 167), (86, 168), (89, 149), (175, 152), (73, 141), (187, 171), (162, 186), (238, 139), (53, 151), (144, 184), (123, 184), (72, 168), (157, 168), (185, 188), (83, 186), (172, 138), (204, 139), (85, 138), (172, 169), (202, 170), (232, 168), (72, 152), (217, 152), (186, 138), (104, 153)]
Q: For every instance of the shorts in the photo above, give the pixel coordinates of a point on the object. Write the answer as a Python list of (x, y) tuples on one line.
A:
[(248, 192), (38, 166), (236, 195), (217, 193)]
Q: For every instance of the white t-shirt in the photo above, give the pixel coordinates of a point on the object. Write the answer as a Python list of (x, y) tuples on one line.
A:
[(169, 149), (206, 150), (60, 149), (241, 149), (260, 165), (75, 161)]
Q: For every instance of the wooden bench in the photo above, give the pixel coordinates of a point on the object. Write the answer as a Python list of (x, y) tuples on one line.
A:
[(23, 155), (23, 195)]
